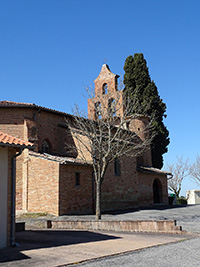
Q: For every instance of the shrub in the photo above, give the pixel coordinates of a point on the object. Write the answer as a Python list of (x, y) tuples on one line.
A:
[(182, 201)]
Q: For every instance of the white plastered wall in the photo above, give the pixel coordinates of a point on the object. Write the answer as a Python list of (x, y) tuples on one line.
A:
[(3, 195), (193, 197)]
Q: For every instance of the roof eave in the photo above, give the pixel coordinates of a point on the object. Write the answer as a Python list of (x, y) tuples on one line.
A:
[(37, 107), (153, 171), (16, 145)]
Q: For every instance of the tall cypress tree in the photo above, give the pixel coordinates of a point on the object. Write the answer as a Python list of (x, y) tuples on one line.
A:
[(146, 101)]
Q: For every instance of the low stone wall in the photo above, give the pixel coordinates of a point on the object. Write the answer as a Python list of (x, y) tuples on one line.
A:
[(161, 226)]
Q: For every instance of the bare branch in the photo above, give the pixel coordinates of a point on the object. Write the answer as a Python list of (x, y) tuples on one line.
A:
[(195, 170), (180, 170), (110, 134)]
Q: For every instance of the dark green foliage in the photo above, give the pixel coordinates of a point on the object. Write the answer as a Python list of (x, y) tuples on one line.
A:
[(146, 101), (182, 201)]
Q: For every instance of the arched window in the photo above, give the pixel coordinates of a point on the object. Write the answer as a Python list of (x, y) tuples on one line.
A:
[(105, 89), (112, 107), (98, 110), (46, 146)]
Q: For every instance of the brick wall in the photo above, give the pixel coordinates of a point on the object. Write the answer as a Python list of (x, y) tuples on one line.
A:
[(19, 181), (13, 129), (82, 151), (51, 188), (35, 126), (12, 122), (105, 77), (39, 178), (48, 129), (120, 192), (13, 116), (131, 188), (145, 189), (139, 126), (43, 185), (74, 199)]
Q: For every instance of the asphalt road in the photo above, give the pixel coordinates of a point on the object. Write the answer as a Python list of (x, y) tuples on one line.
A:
[(181, 254)]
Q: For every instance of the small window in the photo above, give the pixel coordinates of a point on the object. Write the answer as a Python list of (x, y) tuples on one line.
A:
[(98, 110), (117, 167), (105, 88), (77, 179)]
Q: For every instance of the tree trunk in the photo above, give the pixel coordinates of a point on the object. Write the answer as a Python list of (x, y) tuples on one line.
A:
[(98, 200), (177, 193)]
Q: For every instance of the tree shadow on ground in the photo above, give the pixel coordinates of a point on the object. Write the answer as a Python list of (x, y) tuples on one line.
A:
[(37, 239)]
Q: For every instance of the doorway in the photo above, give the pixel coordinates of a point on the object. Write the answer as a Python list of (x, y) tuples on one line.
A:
[(157, 191)]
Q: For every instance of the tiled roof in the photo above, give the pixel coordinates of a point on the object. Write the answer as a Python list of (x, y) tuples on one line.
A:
[(61, 160), (9, 140), (13, 104)]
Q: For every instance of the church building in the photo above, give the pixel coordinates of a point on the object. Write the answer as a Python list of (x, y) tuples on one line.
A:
[(53, 179)]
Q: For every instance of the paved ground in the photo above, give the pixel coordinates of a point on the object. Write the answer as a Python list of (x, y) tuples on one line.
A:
[(53, 248)]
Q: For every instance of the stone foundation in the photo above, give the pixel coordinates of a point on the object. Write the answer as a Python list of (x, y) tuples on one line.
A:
[(160, 226)]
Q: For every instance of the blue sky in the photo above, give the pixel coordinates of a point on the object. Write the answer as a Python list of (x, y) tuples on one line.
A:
[(50, 50)]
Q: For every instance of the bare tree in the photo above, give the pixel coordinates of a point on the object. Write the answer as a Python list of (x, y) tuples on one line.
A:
[(179, 171), (195, 170), (101, 140)]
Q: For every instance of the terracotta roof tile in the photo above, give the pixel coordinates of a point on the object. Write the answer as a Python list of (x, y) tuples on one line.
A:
[(7, 139)]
